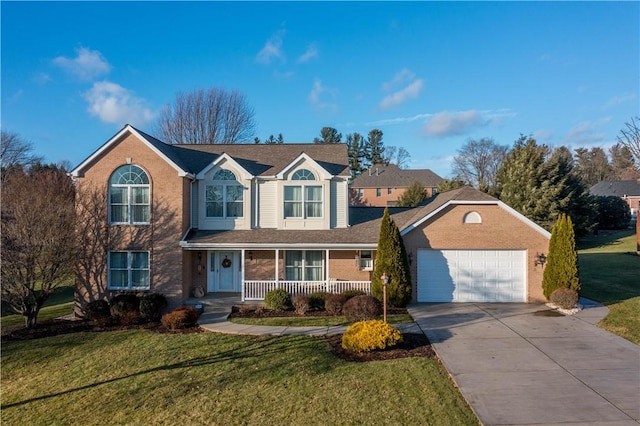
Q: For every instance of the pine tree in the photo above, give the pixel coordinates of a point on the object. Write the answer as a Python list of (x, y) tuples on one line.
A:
[(412, 196), (355, 151), (561, 270), (374, 152), (391, 259)]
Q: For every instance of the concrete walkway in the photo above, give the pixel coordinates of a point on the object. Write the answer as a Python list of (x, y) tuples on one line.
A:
[(519, 364)]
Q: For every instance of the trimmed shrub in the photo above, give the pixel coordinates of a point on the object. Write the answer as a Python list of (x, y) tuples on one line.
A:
[(366, 336), (565, 298), (333, 303), (561, 270), (130, 318), (348, 294), (362, 308), (180, 318), (152, 305), (123, 303), (97, 310), (300, 304), (278, 300), (316, 300)]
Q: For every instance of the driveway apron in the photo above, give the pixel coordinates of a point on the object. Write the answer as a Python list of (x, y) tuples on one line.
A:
[(522, 364)]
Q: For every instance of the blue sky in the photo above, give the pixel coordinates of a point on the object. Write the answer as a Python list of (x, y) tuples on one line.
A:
[(429, 75)]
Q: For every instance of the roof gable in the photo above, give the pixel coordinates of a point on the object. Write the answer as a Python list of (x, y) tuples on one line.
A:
[(302, 159), (463, 196), (163, 150), (219, 161)]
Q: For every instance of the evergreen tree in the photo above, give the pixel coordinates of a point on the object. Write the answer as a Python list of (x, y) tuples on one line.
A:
[(561, 270), (328, 135), (413, 195), (280, 138), (449, 184), (355, 152), (391, 258), (374, 152)]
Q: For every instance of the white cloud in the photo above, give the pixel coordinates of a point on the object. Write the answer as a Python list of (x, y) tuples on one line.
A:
[(41, 78), (272, 49), (112, 103), (618, 100), (448, 123), (405, 86), (87, 65), (542, 135), (316, 95), (586, 133), (309, 54)]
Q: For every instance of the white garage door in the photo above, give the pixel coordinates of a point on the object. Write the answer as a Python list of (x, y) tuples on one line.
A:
[(471, 276)]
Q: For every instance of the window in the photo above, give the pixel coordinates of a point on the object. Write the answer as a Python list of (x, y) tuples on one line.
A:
[(472, 217), (304, 265), (128, 270), (366, 260), (225, 197), (129, 195), (303, 201), (389, 190), (378, 192), (361, 192)]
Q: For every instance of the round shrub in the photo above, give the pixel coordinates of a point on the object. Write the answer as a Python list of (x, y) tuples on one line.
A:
[(565, 298), (362, 308), (348, 294), (333, 304), (123, 303), (300, 304), (97, 310), (152, 305), (316, 300), (278, 300), (180, 318), (366, 336)]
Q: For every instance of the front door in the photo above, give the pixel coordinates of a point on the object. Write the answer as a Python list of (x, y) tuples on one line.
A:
[(224, 272)]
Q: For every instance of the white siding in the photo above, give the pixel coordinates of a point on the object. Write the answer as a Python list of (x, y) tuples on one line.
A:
[(268, 204), (339, 200)]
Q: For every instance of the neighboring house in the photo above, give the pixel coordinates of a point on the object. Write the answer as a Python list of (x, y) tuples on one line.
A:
[(206, 219), (628, 190), (381, 185)]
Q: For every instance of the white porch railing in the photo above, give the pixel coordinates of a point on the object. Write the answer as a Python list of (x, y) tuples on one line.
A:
[(257, 289)]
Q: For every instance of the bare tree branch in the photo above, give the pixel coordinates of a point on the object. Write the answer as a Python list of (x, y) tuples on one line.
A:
[(630, 138)]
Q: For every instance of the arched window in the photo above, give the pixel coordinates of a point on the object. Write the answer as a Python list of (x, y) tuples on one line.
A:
[(472, 217), (302, 201), (303, 174), (224, 197), (129, 199)]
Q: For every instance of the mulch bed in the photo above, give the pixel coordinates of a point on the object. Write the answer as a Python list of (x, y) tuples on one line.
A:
[(412, 345)]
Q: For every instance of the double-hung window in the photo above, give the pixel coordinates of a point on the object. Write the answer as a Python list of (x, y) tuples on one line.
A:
[(303, 201), (129, 200), (128, 270), (304, 265), (224, 197)]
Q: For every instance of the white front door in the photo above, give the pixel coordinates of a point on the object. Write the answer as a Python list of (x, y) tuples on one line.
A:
[(224, 271)]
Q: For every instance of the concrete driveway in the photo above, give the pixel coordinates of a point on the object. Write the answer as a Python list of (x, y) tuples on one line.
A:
[(518, 364)]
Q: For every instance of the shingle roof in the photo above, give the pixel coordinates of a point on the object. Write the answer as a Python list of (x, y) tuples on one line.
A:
[(381, 176), (618, 188), (257, 159), (364, 229)]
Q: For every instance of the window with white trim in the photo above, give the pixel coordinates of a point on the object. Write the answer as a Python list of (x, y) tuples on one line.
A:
[(304, 265), (378, 192), (366, 260), (129, 200), (472, 217), (224, 197), (303, 201), (128, 270)]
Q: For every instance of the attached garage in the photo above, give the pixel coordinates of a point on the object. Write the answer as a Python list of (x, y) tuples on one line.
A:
[(471, 275)]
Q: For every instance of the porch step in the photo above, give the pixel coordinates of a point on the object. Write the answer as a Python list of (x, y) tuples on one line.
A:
[(216, 302)]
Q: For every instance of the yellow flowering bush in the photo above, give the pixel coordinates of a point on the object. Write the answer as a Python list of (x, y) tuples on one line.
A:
[(366, 336)]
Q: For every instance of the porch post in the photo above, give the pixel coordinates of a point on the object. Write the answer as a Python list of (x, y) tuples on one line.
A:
[(277, 260), (326, 283), (242, 274)]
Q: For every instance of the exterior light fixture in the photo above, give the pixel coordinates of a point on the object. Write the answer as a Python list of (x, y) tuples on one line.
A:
[(541, 259)]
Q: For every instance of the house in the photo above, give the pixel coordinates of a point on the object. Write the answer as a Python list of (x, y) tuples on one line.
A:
[(628, 190), (381, 185), (187, 220)]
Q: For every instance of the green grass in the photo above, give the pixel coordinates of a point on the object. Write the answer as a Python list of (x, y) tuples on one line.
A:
[(313, 321), (59, 304), (610, 274), (143, 377)]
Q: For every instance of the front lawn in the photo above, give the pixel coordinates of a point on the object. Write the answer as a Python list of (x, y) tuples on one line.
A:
[(145, 377), (610, 274), (57, 305)]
